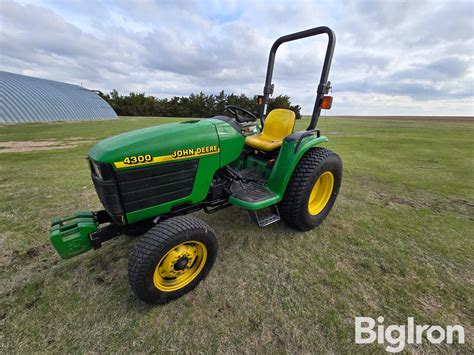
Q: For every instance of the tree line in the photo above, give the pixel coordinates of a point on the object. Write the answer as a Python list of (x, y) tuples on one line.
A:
[(195, 105)]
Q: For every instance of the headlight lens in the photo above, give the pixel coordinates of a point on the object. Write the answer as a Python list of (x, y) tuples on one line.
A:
[(97, 171)]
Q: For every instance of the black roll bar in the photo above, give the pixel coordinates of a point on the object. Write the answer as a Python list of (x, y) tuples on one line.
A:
[(324, 85)]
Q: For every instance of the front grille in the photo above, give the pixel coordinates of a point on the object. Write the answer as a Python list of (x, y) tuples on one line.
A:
[(154, 185), (139, 188), (106, 187)]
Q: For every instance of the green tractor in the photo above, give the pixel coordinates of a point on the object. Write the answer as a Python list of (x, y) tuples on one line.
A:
[(150, 180)]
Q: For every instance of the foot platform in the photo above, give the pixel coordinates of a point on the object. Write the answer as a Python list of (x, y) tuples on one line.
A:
[(250, 191)]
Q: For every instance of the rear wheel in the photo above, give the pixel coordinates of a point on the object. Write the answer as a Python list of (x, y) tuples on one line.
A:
[(312, 189), (171, 259)]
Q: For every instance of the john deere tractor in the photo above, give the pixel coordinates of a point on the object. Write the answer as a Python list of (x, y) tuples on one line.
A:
[(150, 180)]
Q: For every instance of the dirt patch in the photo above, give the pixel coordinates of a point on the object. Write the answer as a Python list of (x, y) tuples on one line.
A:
[(29, 146), (9, 257), (110, 273), (389, 200), (17, 257), (38, 250), (456, 205)]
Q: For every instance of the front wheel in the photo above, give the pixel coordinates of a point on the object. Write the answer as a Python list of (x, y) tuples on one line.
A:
[(312, 189), (171, 259)]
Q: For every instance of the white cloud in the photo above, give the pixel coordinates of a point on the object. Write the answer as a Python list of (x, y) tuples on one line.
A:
[(392, 57)]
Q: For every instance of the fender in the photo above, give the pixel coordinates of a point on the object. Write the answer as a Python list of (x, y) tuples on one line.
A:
[(292, 150)]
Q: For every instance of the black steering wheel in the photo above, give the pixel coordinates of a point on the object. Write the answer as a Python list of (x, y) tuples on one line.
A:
[(248, 116)]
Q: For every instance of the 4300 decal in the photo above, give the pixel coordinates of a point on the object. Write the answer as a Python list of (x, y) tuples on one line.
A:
[(138, 159)]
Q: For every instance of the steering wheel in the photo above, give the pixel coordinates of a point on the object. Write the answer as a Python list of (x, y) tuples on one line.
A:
[(233, 109)]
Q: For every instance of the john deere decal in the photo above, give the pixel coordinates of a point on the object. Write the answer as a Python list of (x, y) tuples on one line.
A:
[(176, 155), (197, 151)]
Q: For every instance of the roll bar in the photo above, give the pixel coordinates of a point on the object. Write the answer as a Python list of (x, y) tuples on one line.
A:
[(324, 85)]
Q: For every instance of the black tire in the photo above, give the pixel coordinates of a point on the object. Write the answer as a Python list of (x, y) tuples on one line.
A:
[(153, 249), (294, 208)]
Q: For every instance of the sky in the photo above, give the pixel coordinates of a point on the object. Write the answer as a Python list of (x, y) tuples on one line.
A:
[(391, 57)]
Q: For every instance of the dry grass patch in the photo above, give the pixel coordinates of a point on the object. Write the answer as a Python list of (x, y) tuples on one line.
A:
[(30, 146)]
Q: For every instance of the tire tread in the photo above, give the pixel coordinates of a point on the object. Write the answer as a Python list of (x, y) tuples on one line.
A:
[(154, 241), (291, 204)]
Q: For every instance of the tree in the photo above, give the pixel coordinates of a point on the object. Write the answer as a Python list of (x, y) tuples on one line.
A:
[(283, 101), (195, 105)]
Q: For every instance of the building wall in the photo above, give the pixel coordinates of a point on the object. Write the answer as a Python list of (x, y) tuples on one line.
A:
[(27, 99)]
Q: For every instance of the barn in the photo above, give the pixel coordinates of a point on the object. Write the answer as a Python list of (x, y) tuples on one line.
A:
[(28, 99)]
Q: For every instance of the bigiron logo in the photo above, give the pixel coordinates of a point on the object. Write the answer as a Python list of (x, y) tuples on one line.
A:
[(397, 336)]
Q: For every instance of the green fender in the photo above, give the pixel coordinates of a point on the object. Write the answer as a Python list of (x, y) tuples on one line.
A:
[(282, 171)]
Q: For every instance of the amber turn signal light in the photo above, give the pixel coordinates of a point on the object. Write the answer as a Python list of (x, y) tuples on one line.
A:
[(326, 102)]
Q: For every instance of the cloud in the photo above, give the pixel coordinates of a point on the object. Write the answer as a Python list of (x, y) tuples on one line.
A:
[(408, 53)]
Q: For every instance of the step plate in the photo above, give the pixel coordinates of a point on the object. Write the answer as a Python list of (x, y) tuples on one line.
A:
[(263, 221), (251, 191)]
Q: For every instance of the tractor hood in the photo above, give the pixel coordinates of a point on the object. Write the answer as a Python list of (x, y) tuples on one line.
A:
[(140, 146), (166, 143)]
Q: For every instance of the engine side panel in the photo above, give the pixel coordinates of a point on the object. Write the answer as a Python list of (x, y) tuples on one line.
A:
[(161, 167)]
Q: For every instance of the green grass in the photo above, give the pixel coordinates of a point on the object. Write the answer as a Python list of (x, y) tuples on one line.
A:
[(398, 243)]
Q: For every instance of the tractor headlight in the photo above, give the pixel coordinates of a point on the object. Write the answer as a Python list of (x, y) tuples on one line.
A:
[(96, 169)]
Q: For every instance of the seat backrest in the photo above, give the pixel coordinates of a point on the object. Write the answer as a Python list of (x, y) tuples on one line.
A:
[(278, 124)]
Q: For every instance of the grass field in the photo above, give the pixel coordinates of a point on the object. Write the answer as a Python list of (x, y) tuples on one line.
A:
[(399, 243)]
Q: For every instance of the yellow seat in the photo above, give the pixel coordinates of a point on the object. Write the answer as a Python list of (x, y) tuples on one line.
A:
[(278, 124)]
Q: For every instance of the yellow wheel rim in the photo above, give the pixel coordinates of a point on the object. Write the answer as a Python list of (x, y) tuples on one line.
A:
[(321, 193), (180, 266)]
